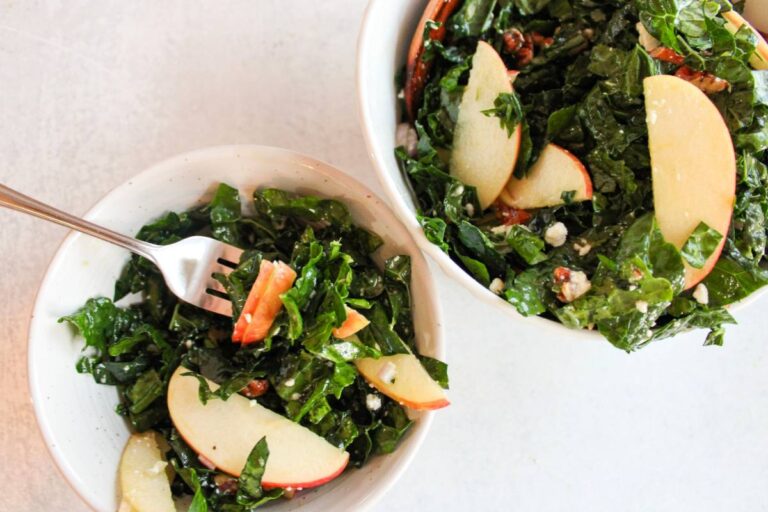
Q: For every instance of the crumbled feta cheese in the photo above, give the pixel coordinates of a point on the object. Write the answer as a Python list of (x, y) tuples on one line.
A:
[(576, 286), (470, 209), (157, 468), (556, 234), (188, 344), (289, 383), (373, 402), (248, 318), (458, 191), (253, 403), (641, 306), (497, 286), (582, 247), (701, 294), (649, 333), (502, 230), (632, 287), (295, 396), (406, 136), (388, 372)]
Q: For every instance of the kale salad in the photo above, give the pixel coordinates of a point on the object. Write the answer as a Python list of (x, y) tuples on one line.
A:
[(316, 363), (535, 138)]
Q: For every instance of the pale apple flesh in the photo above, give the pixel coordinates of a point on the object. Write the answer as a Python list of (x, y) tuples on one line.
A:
[(556, 172), (484, 154), (759, 59), (143, 478), (410, 384), (693, 164), (225, 432)]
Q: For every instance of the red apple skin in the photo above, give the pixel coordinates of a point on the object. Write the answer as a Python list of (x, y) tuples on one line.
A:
[(417, 70), (588, 190), (306, 485)]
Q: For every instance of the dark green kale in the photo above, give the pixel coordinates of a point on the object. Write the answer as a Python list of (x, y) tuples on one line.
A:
[(579, 84)]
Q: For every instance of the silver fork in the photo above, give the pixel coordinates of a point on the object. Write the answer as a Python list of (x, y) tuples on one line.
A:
[(187, 266)]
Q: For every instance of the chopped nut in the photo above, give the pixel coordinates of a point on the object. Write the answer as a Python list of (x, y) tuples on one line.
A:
[(509, 215), (582, 247), (497, 286), (513, 40), (707, 82), (256, 388)]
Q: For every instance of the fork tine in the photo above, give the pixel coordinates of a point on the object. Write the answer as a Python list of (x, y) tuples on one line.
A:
[(216, 304), (230, 253), (215, 285)]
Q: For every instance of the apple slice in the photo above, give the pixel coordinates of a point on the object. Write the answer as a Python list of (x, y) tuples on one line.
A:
[(268, 303), (756, 11), (402, 378), (254, 296), (555, 172), (759, 59), (484, 155), (354, 323), (143, 477), (417, 70), (225, 432), (693, 164)]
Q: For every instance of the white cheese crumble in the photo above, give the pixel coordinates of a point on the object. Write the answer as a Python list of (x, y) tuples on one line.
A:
[(497, 286), (388, 372), (157, 468), (469, 209), (295, 396), (641, 306), (458, 191), (576, 286), (289, 383), (253, 403), (188, 344), (556, 234), (701, 294), (373, 402), (406, 136), (502, 230), (248, 318), (582, 247)]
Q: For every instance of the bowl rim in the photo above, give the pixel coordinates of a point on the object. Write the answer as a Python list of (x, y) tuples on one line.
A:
[(416, 436), (399, 205)]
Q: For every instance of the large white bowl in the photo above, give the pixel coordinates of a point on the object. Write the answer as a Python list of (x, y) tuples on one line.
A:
[(385, 35), (386, 32), (76, 415)]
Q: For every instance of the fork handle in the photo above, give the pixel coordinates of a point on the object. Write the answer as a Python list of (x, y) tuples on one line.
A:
[(18, 201)]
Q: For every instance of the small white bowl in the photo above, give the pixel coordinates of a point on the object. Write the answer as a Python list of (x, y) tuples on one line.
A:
[(76, 416), (385, 35)]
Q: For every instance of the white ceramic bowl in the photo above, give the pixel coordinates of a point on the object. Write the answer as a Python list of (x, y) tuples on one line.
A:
[(385, 35), (76, 415)]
